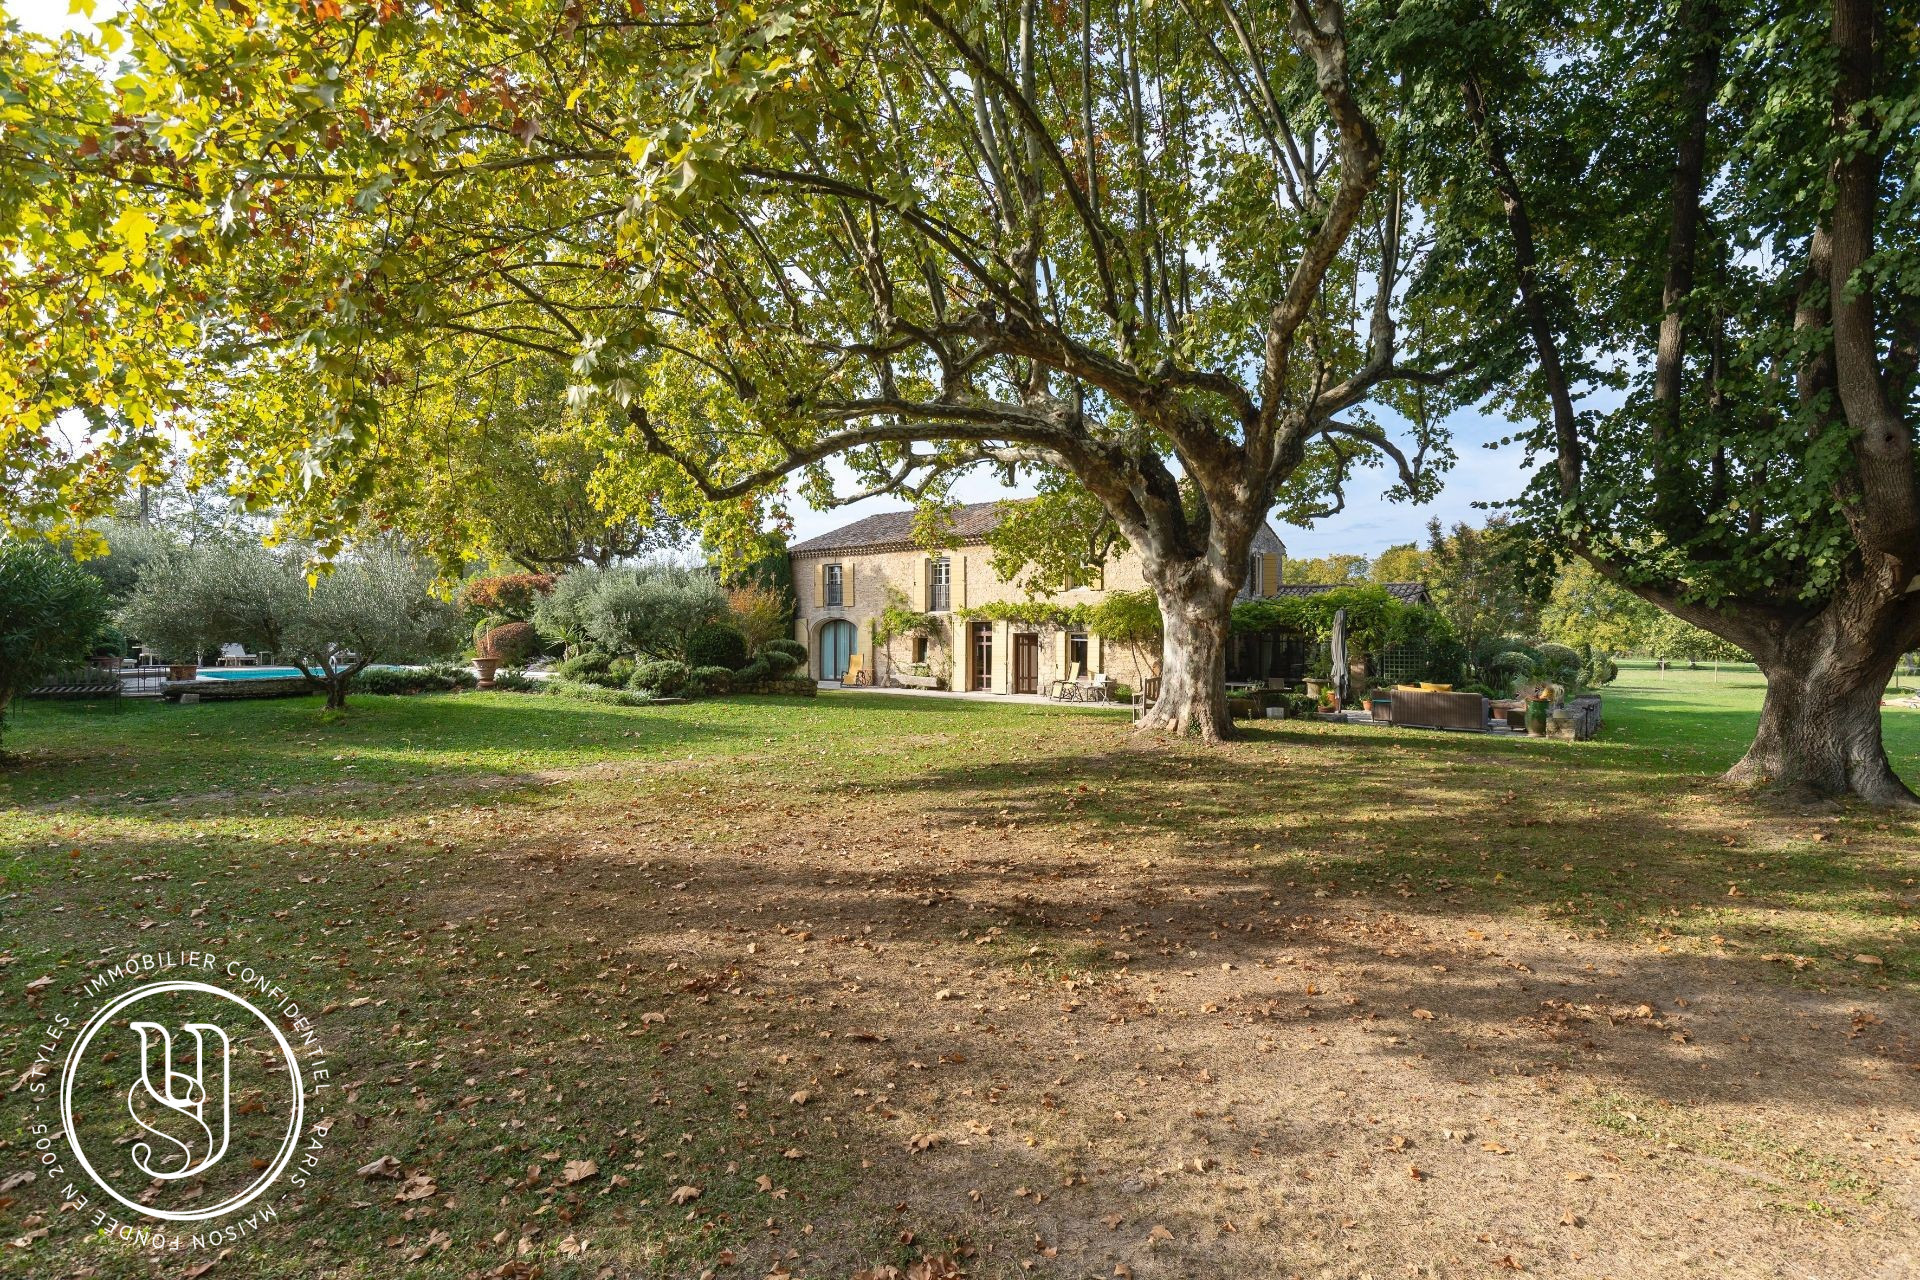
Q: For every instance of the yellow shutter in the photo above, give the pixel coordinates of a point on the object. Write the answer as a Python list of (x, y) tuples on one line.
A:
[(1060, 652), (997, 680), (1096, 660), (1269, 574), (957, 580), (922, 575), (846, 584), (819, 583), (1099, 582)]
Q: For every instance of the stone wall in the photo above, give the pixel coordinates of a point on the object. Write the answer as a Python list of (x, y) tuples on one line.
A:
[(869, 575)]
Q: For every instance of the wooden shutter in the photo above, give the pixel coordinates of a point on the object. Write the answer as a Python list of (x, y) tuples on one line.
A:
[(819, 584), (1096, 660), (957, 580), (1061, 655), (997, 680), (1269, 574), (1099, 582), (846, 584), (922, 582)]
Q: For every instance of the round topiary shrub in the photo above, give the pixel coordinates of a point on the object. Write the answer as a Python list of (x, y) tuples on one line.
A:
[(587, 662), (717, 681), (667, 678), (780, 663), (755, 673), (510, 642), (793, 648), (718, 644)]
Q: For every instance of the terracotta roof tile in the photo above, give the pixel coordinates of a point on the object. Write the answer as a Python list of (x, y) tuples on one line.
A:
[(971, 523)]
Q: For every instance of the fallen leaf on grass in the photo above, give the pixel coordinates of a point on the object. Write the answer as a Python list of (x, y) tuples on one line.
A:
[(681, 1195), (440, 1240), (420, 1186), (1158, 1233), (579, 1171), (384, 1167)]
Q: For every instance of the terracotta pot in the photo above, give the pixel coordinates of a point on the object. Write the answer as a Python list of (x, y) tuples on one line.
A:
[(182, 671), (484, 668)]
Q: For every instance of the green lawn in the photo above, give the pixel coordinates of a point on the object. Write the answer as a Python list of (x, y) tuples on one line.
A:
[(491, 893)]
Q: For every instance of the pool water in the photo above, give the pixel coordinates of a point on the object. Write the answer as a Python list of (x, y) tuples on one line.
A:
[(248, 673)]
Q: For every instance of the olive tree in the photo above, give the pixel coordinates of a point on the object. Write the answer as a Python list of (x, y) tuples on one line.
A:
[(376, 603)]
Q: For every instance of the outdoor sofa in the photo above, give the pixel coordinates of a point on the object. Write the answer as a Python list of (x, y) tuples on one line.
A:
[(1434, 709)]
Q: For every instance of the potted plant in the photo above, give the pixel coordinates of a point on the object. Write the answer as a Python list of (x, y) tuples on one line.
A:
[(183, 670), (485, 669), (1539, 704)]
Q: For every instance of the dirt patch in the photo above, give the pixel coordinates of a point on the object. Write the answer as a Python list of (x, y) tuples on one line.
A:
[(1081, 1051)]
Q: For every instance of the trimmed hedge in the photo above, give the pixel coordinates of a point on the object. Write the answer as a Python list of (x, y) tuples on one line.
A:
[(779, 662), (441, 677), (711, 681), (667, 678), (794, 648), (718, 644)]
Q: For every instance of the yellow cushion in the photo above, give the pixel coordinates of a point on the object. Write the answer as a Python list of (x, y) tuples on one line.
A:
[(1425, 687)]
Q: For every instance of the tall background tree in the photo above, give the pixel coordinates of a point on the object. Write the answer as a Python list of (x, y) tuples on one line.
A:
[(1476, 577), (1693, 227), (50, 612), (1161, 250)]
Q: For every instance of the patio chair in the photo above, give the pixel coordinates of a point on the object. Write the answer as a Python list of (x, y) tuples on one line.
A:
[(1145, 696), (236, 655), (1068, 689)]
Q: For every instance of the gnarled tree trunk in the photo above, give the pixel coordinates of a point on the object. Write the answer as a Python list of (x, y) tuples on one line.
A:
[(1196, 605), (1820, 722)]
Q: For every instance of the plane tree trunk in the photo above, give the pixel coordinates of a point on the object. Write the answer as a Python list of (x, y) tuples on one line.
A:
[(1196, 603), (1819, 732)]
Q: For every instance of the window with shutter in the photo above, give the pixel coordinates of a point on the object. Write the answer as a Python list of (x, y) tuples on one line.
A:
[(940, 592)]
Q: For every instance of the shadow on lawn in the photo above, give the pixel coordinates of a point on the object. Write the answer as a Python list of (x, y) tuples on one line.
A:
[(285, 752), (1439, 826)]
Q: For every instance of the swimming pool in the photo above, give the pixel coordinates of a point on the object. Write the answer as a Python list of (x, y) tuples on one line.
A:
[(250, 673)]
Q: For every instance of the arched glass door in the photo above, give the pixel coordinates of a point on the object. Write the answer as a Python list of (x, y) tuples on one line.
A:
[(836, 646)]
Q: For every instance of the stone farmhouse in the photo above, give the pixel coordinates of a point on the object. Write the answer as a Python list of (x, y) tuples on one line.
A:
[(845, 578)]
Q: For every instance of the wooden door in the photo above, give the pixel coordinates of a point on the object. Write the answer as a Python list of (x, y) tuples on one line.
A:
[(982, 655), (1026, 662)]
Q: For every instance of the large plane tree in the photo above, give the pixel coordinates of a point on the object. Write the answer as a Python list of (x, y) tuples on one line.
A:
[(1692, 232), (1160, 251)]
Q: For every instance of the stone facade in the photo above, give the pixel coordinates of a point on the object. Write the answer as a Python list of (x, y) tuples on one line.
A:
[(843, 580)]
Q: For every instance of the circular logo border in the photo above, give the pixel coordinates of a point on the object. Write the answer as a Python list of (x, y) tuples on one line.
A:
[(288, 1146)]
